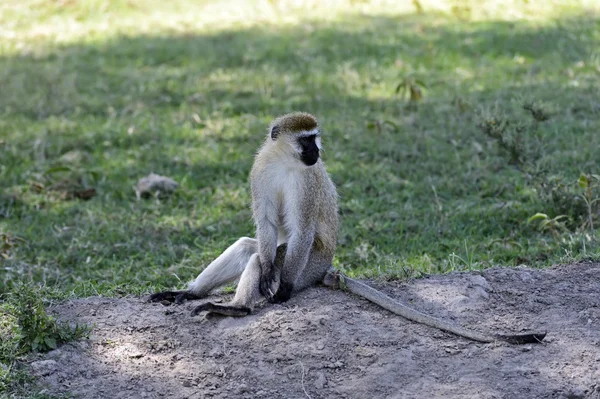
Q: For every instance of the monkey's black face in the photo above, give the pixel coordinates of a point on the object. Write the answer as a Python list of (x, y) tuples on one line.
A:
[(310, 151)]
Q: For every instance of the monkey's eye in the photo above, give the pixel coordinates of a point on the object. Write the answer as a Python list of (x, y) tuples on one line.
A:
[(306, 141)]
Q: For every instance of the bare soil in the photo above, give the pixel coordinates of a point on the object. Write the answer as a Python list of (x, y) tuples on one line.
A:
[(328, 344)]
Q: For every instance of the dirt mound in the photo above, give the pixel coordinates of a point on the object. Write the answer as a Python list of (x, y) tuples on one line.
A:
[(327, 344)]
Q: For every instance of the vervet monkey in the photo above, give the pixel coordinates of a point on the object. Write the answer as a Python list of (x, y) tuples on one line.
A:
[(294, 204)]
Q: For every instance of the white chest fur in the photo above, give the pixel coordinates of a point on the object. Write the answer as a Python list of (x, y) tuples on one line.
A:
[(284, 188)]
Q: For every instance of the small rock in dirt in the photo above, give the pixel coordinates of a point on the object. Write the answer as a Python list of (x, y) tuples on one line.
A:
[(575, 393), (481, 282), (215, 352), (525, 276), (459, 303), (525, 348), (478, 293), (320, 381), (136, 354), (155, 184), (242, 388), (452, 351), (44, 367), (55, 354)]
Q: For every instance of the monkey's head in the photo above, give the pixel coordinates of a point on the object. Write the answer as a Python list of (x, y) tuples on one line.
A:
[(298, 134)]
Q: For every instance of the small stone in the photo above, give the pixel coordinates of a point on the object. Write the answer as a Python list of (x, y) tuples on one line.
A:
[(320, 381), (525, 277), (215, 352), (241, 388), (525, 348), (575, 393), (55, 354), (187, 383), (44, 367), (136, 354), (481, 282), (479, 293), (260, 393), (154, 184)]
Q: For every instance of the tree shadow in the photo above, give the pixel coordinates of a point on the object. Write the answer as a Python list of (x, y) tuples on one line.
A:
[(256, 70)]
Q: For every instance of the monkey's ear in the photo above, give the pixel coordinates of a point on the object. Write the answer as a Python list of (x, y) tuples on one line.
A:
[(275, 132)]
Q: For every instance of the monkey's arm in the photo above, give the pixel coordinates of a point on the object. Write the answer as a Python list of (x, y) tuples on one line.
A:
[(296, 262), (270, 272), (336, 280)]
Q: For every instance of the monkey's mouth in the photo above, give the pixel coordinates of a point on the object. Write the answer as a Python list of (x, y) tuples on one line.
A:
[(309, 158)]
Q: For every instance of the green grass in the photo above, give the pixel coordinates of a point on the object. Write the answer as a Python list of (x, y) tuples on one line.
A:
[(129, 89), (99, 94)]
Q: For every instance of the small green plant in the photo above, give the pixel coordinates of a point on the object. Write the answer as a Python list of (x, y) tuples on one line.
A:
[(461, 10), (418, 6), (518, 138), (7, 243), (411, 88), (587, 183), (27, 327), (380, 125), (553, 225), (537, 112), (513, 138), (466, 262)]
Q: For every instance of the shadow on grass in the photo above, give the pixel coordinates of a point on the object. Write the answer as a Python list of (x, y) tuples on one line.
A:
[(257, 70)]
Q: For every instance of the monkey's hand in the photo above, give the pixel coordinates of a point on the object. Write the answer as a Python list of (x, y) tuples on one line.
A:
[(269, 282), (168, 297), (284, 293)]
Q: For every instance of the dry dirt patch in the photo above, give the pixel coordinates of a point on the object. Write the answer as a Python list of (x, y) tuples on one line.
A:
[(328, 344)]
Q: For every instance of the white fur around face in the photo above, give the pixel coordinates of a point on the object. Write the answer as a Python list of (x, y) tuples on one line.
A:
[(318, 143), (314, 132)]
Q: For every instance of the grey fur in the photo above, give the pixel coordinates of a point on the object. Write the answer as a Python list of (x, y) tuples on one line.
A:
[(292, 204)]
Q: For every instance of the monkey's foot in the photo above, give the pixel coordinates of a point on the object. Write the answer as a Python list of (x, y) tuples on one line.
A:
[(225, 310), (168, 297), (284, 293)]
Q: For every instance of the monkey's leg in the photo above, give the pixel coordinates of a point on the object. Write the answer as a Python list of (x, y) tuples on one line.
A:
[(227, 268), (247, 294)]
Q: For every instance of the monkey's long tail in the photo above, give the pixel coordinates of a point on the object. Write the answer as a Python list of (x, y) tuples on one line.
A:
[(337, 280)]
